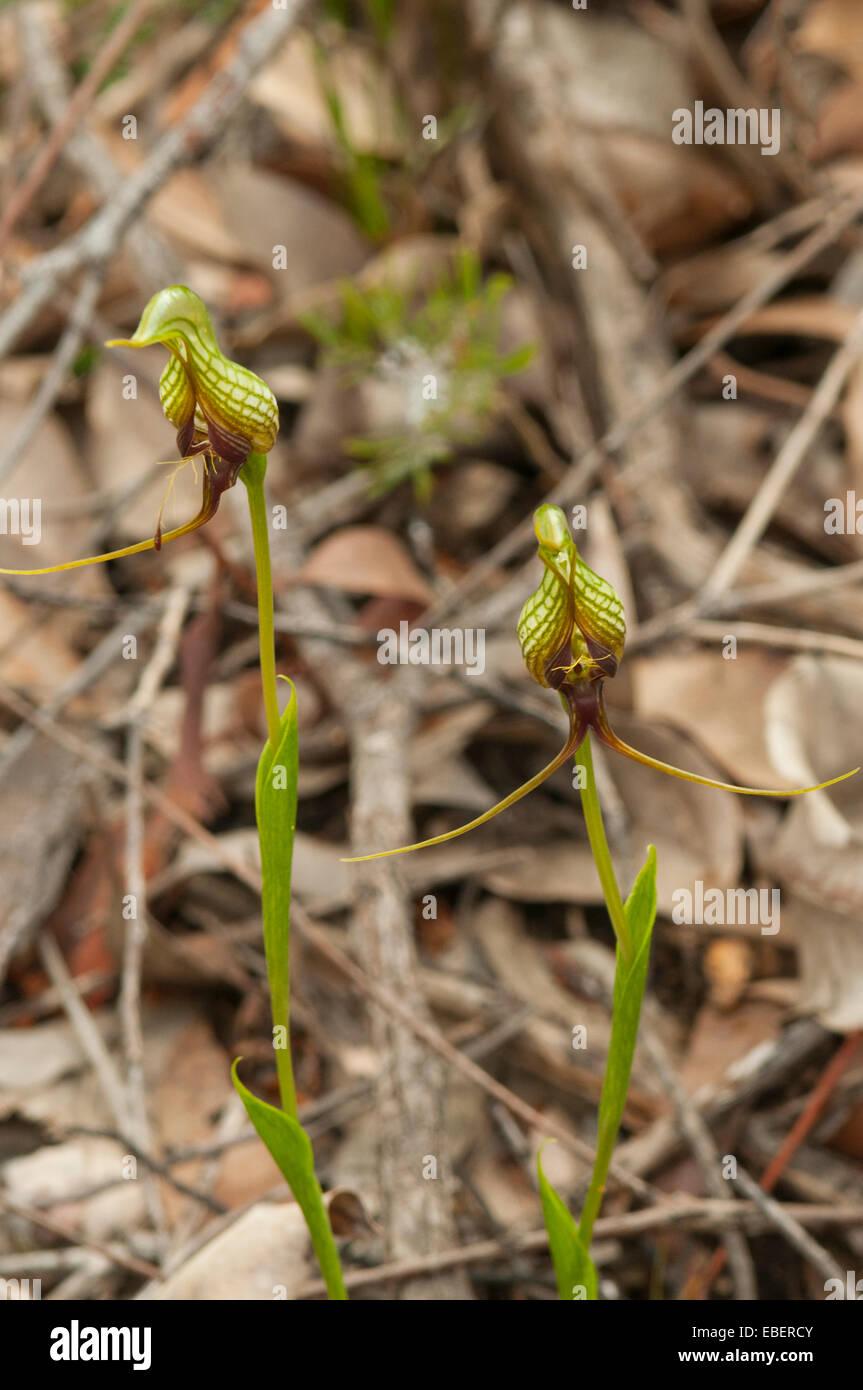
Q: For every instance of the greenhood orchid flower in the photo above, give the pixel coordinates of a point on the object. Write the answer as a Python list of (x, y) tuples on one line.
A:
[(222, 412), (572, 633)]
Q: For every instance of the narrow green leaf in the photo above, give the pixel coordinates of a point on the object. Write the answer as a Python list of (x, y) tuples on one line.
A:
[(276, 812), (516, 361), (630, 980), (573, 1267), (291, 1149), (629, 984)]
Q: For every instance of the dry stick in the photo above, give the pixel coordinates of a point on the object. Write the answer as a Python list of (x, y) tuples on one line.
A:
[(101, 66), (163, 657), (85, 1028), (786, 638), (809, 1248), (204, 123), (59, 1228), (529, 1116), (319, 940), (811, 1112), (91, 669), (163, 1168), (85, 150), (129, 1004), (711, 52), (808, 584), (49, 387), (701, 1141), (580, 474), (154, 674), (410, 1088), (704, 1215), (807, 1119), (785, 465), (694, 1127), (760, 510)]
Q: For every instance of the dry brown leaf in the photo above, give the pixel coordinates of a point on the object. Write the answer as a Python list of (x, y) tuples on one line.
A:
[(808, 316), (609, 90), (833, 29), (263, 211), (365, 560), (815, 732), (840, 122), (714, 279), (42, 801), (184, 209), (265, 1254), (717, 1042), (729, 725), (34, 656), (126, 438), (50, 471), (290, 88), (194, 1085)]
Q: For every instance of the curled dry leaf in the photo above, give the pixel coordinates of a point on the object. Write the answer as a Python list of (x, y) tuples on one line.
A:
[(42, 808), (813, 726), (265, 1254), (48, 470)]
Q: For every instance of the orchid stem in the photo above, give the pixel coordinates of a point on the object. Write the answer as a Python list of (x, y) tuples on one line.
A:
[(253, 476), (599, 848), (608, 1129)]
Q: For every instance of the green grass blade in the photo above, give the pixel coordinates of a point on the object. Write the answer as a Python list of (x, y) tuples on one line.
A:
[(570, 1243), (276, 812), (629, 984), (292, 1150), (574, 1269)]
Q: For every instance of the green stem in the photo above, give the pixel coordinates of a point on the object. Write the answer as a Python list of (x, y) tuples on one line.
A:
[(252, 474), (601, 853), (624, 1023)]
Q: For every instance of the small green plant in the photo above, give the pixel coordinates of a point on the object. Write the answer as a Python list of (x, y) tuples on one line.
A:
[(441, 356), (361, 170), (572, 633), (227, 419)]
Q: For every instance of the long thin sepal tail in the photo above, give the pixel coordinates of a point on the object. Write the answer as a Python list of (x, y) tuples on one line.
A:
[(565, 753), (610, 738), (203, 516)]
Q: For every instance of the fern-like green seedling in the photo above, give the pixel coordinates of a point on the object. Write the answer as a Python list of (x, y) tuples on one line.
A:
[(440, 353)]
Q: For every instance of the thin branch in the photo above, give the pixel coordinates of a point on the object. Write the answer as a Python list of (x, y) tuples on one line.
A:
[(113, 49), (779, 1216), (49, 388), (204, 124)]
